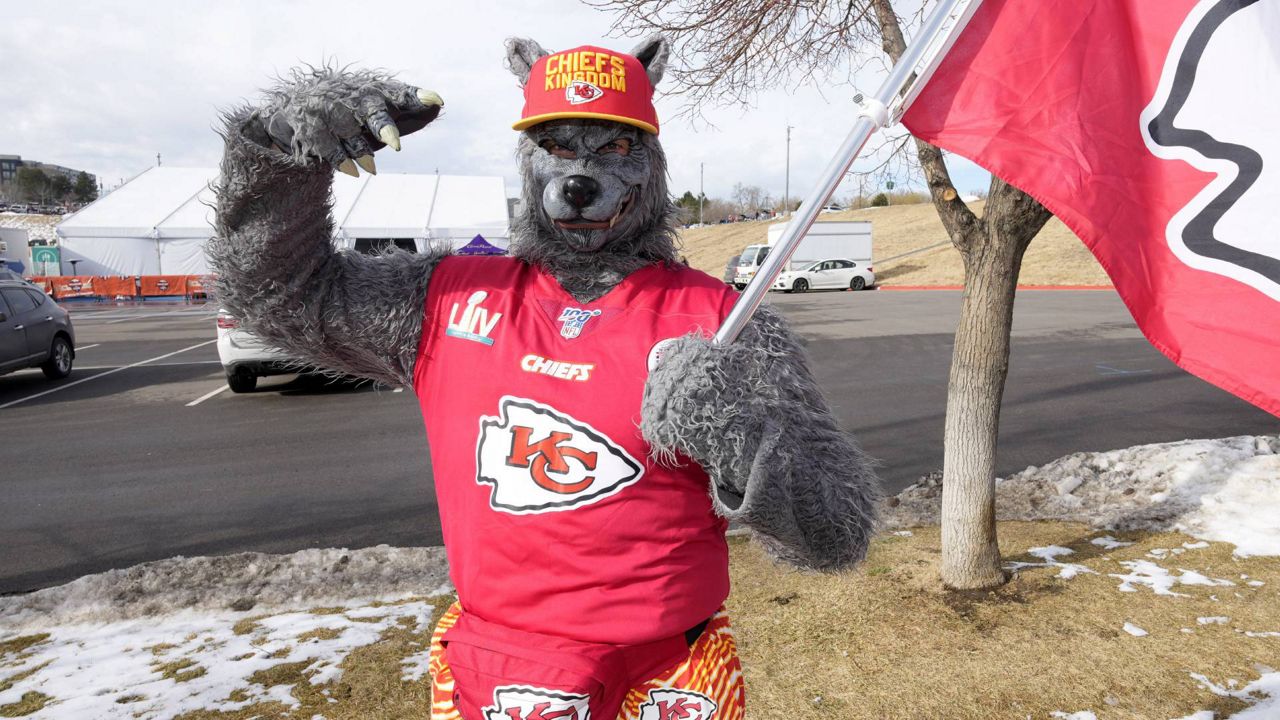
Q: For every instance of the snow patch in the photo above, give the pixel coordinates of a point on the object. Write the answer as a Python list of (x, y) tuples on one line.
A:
[(1050, 557), (38, 227), (243, 582), (1213, 620), (415, 666), (1262, 694), (1225, 490), (1106, 542), (1067, 485), (1244, 511), (1079, 715), (117, 669), (1160, 580), (1134, 630)]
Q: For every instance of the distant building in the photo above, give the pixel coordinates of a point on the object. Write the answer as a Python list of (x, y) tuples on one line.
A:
[(9, 165)]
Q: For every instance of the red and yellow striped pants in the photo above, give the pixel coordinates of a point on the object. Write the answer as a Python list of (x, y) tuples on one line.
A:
[(711, 670)]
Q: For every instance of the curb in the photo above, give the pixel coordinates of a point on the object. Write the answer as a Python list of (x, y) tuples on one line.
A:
[(1020, 287)]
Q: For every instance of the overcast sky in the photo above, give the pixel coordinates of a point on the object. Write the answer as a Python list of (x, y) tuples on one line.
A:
[(104, 86)]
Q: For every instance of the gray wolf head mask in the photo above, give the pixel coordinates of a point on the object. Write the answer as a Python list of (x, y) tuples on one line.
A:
[(595, 200)]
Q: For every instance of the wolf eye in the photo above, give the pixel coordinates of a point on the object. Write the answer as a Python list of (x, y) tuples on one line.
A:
[(621, 146), (557, 149)]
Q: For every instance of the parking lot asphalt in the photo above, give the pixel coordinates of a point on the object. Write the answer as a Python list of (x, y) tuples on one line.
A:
[(142, 454)]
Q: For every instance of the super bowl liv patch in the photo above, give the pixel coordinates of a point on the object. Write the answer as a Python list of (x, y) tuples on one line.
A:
[(474, 321)]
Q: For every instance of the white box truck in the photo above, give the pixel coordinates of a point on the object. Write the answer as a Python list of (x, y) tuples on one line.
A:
[(849, 241)]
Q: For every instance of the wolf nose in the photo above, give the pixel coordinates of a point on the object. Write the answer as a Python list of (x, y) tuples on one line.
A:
[(580, 190)]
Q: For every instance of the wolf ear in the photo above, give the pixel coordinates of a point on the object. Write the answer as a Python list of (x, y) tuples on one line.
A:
[(522, 53), (653, 54)]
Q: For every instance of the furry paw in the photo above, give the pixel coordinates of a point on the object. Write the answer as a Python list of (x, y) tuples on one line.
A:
[(705, 401), (753, 416), (340, 117)]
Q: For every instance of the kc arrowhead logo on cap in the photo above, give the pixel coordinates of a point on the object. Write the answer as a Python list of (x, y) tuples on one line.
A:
[(611, 85), (581, 92)]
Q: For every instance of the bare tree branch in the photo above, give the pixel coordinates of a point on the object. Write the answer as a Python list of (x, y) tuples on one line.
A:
[(730, 50)]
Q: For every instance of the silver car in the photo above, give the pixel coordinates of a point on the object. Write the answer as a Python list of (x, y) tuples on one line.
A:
[(34, 331)]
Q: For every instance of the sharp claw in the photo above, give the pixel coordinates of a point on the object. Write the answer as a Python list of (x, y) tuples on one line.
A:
[(427, 97), (391, 136), (366, 163), (349, 168)]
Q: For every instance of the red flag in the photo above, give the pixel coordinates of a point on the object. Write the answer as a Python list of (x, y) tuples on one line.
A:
[(1150, 129)]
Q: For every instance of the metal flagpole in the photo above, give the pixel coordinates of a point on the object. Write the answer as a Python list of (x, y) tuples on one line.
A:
[(929, 48)]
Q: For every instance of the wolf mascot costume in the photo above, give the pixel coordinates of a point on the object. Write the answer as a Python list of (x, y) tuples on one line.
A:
[(585, 469)]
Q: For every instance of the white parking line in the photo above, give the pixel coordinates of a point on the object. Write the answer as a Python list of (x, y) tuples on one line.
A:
[(171, 315), (154, 364), (207, 395), (104, 374), (86, 347)]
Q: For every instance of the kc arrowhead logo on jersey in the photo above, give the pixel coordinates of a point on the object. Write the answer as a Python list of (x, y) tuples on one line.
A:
[(521, 702), (677, 705), (540, 460)]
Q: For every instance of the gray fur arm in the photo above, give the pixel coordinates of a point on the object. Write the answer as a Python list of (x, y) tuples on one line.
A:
[(275, 266), (752, 414)]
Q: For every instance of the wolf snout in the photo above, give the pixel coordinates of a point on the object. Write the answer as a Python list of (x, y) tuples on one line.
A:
[(580, 190)]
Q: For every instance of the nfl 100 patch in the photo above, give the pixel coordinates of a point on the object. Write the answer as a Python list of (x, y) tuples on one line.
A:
[(573, 320)]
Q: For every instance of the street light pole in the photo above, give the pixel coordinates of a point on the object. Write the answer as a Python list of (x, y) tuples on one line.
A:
[(902, 86), (702, 169), (786, 193)]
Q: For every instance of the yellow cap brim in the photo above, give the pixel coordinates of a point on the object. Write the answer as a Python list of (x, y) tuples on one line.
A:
[(531, 121)]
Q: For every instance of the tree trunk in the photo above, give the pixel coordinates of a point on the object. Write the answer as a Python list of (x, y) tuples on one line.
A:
[(992, 248), (979, 366)]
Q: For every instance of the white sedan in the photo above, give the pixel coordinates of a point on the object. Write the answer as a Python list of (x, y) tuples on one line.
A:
[(245, 358), (827, 275)]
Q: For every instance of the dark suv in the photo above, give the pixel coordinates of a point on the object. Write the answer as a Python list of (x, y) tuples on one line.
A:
[(34, 331)]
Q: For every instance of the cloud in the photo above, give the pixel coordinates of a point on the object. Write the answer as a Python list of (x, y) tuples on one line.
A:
[(104, 86)]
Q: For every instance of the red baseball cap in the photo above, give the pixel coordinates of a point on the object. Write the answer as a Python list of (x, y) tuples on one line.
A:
[(589, 82)]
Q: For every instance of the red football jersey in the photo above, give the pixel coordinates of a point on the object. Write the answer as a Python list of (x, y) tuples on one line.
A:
[(555, 520)]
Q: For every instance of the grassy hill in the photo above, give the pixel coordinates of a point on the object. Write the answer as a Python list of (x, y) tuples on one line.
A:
[(1056, 256)]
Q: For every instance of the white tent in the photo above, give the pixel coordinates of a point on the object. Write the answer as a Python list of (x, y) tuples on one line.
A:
[(158, 222)]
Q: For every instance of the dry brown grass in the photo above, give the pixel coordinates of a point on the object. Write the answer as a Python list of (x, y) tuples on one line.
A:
[(8, 682), (889, 642), (179, 670), (320, 634), (370, 687), (1055, 257), (18, 645), (29, 703), (246, 626)]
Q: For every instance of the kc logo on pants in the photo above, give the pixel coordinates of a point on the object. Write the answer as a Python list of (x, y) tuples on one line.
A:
[(677, 705), (540, 460), (521, 702)]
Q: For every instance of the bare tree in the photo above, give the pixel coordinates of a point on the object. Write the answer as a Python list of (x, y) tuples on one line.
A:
[(716, 209), (748, 198), (731, 49)]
